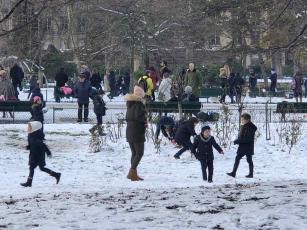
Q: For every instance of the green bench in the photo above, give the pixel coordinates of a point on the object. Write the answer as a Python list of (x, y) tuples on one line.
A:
[(15, 106), (290, 107), (211, 92), (172, 107)]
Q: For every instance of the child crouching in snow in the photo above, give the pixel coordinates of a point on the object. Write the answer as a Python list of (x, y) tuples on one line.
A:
[(38, 149), (203, 151)]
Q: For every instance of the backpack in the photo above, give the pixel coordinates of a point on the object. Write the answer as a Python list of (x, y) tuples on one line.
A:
[(293, 84), (143, 83)]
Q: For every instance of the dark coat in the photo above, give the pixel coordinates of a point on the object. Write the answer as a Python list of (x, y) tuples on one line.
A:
[(37, 113), (96, 80), (16, 74), (33, 82), (127, 79), (99, 106), (184, 132), (189, 97), (203, 148), (112, 80), (61, 78), (252, 81), (37, 148), (136, 119), (273, 79), (246, 139), (83, 91)]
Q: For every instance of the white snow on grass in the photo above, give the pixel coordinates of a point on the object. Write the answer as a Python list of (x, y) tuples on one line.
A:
[(94, 193)]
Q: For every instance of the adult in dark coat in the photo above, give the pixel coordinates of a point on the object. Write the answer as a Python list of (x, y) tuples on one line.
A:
[(239, 83), (183, 135), (96, 79), (203, 151), (126, 83), (38, 149), (136, 126), (83, 92), (246, 145), (61, 78), (252, 83), (231, 86), (273, 78), (164, 69), (112, 84), (17, 75)]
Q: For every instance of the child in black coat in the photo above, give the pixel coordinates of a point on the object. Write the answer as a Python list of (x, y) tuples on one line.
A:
[(203, 151), (38, 149), (99, 110)]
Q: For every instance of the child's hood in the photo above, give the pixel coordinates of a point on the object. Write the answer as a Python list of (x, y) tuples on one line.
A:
[(36, 125)]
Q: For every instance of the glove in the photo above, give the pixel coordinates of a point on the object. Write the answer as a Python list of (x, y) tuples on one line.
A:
[(146, 125), (49, 156)]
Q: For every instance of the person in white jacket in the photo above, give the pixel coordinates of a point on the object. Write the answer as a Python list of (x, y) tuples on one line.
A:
[(164, 90)]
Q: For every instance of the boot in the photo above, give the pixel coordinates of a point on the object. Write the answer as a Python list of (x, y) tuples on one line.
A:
[(28, 183), (249, 175), (232, 174), (57, 176), (251, 171), (139, 178), (132, 175)]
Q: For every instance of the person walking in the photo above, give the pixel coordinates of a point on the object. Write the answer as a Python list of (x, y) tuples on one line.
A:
[(96, 79), (203, 151), (273, 78), (252, 84), (231, 86), (245, 141), (83, 92), (135, 131), (17, 75), (298, 89), (112, 84), (224, 74), (33, 84), (38, 149), (305, 85), (239, 84)]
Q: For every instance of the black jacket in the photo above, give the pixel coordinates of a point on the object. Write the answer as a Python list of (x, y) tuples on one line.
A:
[(83, 92), (136, 119), (16, 74), (99, 105), (61, 78), (184, 132), (246, 139), (96, 80), (112, 80), (37, 148), (203, 148), (37, 113)]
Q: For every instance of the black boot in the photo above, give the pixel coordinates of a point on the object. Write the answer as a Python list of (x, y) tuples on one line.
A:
[(232, 174), (249, 176), (28, 183), (57, 176)]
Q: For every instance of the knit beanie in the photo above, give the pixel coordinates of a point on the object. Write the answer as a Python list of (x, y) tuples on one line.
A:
[(35, 125), (205, 127), (138, 91)]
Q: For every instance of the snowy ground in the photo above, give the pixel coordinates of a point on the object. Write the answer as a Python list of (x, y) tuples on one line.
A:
[(95, 194)]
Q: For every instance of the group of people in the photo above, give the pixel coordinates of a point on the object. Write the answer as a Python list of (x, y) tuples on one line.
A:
[(181, 132)]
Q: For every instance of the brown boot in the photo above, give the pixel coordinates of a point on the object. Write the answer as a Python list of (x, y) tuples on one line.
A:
[(132, 175), (139, 178)]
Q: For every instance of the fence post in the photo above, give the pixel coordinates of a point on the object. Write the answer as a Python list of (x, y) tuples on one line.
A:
[(267, 124), (53, 117)]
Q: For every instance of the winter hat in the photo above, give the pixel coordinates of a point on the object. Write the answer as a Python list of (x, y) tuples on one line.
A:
[(138, 91), (36, 99), (35, 125), (188, 89), (205, 127)]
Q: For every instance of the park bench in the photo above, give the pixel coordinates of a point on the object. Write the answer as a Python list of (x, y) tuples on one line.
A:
[(172, 107), (15, 106), (210, 92), (290, 107)]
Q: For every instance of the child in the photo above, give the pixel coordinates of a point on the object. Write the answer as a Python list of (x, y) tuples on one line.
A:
[(99, 110), (37, 153), (37, 111), (204, 143), (245, 141)]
